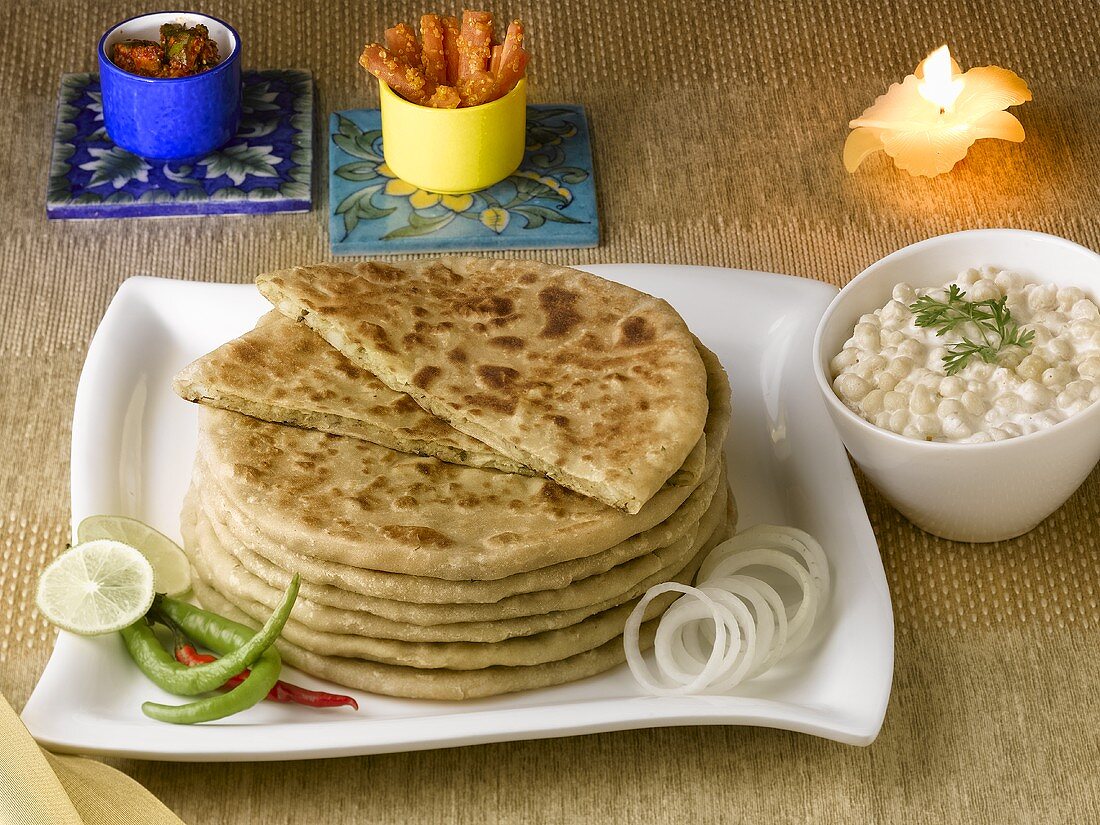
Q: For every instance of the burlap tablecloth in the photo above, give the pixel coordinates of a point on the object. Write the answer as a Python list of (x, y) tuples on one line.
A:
[(717, 134)]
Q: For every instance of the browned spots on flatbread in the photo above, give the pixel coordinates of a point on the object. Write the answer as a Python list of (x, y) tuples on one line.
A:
[(383, 273), (404, 502), (590, 341), (494, 306), (559, 306), (424, 376), (509, 342), (444, 273), (553, 493), (498, 377), (376, 334), (415, 536), (636, 331), (507, 406), (349, 369), (246, 351), (365, 500), (405, 404), (584, 348)]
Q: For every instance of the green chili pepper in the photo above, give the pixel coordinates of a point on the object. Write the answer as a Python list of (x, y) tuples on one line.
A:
[(224, 637), (165, 672), (260, 680)]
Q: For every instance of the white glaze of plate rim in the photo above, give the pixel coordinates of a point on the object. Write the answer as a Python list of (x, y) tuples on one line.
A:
[(132, 445)]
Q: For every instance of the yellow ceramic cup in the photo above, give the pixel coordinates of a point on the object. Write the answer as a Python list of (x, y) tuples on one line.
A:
[(454, 150)]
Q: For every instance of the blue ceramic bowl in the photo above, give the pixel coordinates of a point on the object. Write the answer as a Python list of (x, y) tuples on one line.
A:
[(177, 118)]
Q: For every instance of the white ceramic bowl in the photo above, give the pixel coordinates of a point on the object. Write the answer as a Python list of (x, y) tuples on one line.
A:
[(965, 492)]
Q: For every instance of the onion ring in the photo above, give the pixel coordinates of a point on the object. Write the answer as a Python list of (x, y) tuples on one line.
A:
[(769, 536), (731, 626), (770, 613), (740, 667), (801, 622), (632, 645), (685, 618)]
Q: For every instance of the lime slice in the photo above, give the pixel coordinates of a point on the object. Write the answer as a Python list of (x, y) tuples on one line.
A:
[(171, 570), (97, 587)]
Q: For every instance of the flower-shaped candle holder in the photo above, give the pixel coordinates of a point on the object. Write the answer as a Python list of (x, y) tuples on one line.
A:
[(928, 122)]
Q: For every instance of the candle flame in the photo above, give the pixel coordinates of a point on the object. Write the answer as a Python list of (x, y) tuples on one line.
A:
[(939, 86)]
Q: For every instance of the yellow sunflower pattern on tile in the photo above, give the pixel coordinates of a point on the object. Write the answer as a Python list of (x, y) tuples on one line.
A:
[(421, 198)]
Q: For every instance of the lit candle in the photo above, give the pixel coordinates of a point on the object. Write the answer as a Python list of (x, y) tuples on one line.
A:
[(929, 121)]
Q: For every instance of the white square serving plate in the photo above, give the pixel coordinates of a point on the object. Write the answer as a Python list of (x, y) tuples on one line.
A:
[(132, 447)]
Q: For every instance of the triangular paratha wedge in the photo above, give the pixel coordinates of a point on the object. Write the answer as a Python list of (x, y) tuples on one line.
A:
[(591, 383), (285, 373)]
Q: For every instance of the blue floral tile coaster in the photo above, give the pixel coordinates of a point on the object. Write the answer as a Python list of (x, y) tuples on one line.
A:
[(267, 167), (549, 203)]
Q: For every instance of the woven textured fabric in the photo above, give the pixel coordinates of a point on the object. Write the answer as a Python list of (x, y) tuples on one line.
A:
[(37, 787), (717, 129)]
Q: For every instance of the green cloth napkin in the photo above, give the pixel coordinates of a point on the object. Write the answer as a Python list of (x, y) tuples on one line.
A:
[(38, 787)]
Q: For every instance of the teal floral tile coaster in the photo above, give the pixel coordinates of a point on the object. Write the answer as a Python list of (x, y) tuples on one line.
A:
[(267, 167), (549, 203)]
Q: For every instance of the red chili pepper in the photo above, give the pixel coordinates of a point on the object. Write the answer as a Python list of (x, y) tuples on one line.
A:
[(282, 692)]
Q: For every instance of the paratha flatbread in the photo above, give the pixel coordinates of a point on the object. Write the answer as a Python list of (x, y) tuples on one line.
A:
[(440, 684), (356, 503), (529, 651), (422, 599), (589, 382), (285, 373), (518, 651), (550, 609)]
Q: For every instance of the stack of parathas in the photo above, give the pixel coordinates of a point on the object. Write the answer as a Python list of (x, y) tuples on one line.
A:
[(476, 466)]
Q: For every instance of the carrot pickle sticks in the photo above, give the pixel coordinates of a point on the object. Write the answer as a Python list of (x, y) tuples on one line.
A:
[(475, 43), (432, 54), (408, 81), (455, 63), (401, 43), (450, 48)]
